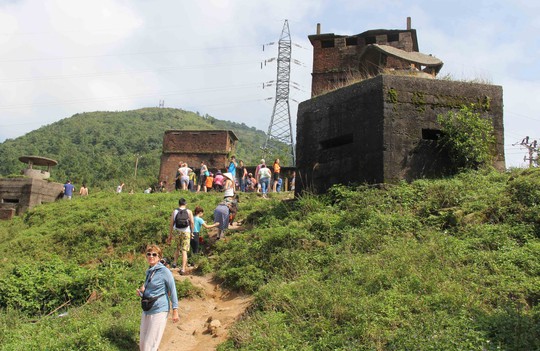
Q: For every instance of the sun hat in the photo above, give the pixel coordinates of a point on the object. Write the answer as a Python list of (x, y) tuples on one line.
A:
[(228, 175)]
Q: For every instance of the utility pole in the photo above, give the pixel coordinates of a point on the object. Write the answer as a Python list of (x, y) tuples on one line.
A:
[(280, 128), (532, 148), (136, 164)]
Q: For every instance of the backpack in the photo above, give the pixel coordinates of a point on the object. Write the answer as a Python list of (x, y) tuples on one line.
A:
[(182, 219)]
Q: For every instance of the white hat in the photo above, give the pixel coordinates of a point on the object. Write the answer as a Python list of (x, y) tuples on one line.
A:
[(228, 175)]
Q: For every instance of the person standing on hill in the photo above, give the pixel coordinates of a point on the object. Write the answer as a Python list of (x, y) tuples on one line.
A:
[(84, 190), (177, 185), (202, 177), (209, 182), (264, 179), (181, 224), (184, 175), (242, 176), (68, 190), (232, 167), (119, 188), (192, 181), (259, 166), (218, 181), (228, 185), (159, 286), (277, 170)]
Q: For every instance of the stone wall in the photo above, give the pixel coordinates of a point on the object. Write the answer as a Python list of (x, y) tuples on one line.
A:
[(384, 129)]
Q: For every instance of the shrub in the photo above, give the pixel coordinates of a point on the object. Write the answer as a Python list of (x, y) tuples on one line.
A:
[(467, 137), (39, 289)]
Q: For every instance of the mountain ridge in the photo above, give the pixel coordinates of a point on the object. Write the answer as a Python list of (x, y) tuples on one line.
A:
[(101, 148)]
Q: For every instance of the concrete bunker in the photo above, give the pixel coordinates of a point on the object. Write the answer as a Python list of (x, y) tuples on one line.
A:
[(19, 194)]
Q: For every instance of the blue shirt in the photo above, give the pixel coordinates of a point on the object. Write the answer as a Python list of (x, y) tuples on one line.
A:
[(162, 282), (232, 169), (198, 224), (68, 189)]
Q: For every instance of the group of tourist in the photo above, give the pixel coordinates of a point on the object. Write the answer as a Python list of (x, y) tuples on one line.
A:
[(264, 180)]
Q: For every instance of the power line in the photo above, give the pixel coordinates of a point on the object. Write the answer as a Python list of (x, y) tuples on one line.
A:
[(126, 54), (110, 73), (150, 94)]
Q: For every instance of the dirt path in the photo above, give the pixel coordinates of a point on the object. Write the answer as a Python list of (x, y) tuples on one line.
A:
[(191, 333)]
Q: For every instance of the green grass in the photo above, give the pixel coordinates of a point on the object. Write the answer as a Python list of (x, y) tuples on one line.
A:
[(448, 264)]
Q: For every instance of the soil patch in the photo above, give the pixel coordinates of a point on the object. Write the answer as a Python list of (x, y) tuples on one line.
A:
[(193, 332)]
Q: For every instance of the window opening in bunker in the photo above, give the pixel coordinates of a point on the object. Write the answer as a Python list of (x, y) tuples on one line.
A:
[(337, 141)]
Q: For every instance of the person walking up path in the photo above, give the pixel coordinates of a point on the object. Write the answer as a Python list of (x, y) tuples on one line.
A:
[(182, 225), (199, 224), (68, 190)]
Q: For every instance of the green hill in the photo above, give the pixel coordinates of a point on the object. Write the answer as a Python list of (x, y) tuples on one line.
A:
[(449, 264), (100, 148)]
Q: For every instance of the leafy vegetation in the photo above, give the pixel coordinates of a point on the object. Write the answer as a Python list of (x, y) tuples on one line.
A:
[(448, 264), (101, 148), (467, 137), (70, 268), (434, 265)]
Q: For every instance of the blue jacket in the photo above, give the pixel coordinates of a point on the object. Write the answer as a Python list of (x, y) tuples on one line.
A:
[(161, 283)]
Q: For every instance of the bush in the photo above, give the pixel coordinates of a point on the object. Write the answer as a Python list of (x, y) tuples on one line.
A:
[(467, 137), (39, 289)]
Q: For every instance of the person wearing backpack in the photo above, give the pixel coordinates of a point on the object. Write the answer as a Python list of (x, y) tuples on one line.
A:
[(182, 225)]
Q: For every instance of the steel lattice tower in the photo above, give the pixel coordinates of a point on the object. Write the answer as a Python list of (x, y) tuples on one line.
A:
[(280, 129)]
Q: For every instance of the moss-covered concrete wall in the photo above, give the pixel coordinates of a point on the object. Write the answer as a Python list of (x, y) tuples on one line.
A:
[(384, 129)]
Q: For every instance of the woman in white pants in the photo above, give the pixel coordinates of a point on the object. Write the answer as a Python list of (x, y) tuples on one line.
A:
[(159, 286)]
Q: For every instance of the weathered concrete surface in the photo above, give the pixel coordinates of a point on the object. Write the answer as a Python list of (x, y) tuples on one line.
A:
[(383, 130), (22, 194)]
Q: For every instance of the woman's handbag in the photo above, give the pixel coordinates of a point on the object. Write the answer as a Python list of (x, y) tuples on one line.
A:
[(148, 302)]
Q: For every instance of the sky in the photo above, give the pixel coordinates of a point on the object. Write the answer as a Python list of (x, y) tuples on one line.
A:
[(62, 57)]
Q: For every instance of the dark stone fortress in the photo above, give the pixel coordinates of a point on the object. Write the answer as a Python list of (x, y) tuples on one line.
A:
[(384, 128)]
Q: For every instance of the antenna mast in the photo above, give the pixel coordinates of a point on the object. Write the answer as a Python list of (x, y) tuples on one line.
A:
[(280, 128)]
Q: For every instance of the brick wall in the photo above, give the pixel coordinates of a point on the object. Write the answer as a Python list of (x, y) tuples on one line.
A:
[(336, 57), (214, 147)]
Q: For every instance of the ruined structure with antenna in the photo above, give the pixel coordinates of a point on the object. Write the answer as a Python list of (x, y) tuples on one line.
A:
[(382, 127)]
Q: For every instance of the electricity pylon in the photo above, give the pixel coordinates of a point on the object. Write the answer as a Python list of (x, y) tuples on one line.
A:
[(280, 129)]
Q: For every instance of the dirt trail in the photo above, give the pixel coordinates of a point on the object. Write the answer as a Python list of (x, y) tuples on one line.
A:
[(191, 332)]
